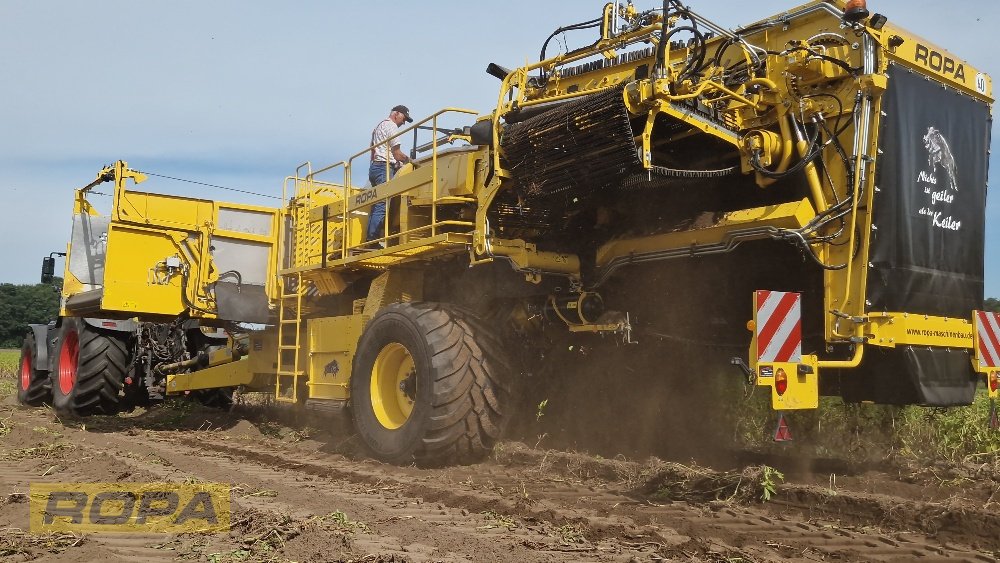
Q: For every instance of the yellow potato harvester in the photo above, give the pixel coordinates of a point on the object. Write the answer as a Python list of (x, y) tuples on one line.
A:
[(818, 177)]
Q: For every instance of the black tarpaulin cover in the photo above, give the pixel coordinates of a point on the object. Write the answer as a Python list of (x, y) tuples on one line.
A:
[(930, 210), (927, 250)]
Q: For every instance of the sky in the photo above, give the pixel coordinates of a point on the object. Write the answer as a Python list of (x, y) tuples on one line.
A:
[(238, 93)]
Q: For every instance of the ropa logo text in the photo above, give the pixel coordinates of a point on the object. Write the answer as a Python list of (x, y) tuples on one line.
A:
[(364, 197), (129, 507), (940, 63)]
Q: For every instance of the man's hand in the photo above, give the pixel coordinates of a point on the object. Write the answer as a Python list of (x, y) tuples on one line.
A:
[(400, 156)]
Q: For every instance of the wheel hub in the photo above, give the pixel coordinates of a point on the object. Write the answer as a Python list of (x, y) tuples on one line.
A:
[(26, 369), (409, 385), (69, 355), (393, 386)]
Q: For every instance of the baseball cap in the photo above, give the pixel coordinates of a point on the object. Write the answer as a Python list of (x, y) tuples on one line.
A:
[(405, 111)]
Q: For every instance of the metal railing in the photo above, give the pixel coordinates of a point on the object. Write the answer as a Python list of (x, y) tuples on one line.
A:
[(352, 206)]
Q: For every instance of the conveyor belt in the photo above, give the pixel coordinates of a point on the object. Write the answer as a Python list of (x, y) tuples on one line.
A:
[(583, 146), (587, 145)]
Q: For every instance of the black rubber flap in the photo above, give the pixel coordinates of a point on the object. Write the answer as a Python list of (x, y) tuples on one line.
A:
[(908, 375), (930, 210)]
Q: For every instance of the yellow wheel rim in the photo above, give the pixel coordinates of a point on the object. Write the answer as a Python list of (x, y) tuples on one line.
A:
[(393, 386)]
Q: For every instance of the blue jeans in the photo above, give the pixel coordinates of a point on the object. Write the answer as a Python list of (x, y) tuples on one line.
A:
[(376, 217)]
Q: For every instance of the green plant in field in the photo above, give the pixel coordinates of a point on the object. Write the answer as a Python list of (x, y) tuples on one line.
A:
[(570, 534), (46, 451), (953, 434), (769, 480), (234, 555), (540, 412), (497, 520), (9, 361), (6, 426), (340, 519), (8, 386)]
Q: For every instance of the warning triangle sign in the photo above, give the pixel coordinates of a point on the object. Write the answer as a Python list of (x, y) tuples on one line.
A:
[(782, 433)]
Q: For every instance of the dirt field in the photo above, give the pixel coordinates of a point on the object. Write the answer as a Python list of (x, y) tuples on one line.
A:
[(302, 494)]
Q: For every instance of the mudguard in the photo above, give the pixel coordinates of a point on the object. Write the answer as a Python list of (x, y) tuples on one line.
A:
[(41, 333)]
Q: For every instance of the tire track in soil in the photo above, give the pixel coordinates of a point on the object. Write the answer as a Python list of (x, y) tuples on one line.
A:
[(106, 463), (467, 536), (181, 465), (732, 528), (133, 547), (444, 507)]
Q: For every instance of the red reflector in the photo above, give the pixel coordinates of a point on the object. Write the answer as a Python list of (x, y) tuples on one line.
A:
[(781, 382), (782, 433), (109, 324), (994, 380)]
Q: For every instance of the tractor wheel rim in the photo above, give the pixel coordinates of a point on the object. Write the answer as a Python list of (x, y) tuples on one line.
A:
[(69, 355), (393, 386), (26, 369)]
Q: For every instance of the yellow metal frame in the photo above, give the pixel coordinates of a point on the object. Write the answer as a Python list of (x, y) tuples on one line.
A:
[(147, 228), (232, 374), (786, 215)]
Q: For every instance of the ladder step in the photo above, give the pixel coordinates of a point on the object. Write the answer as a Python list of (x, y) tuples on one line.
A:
[(290, 303)]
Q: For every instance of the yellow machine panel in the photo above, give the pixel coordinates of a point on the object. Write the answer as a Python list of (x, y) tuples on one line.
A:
[(143, 274), (168, 255), (793, 386), (332, 341)]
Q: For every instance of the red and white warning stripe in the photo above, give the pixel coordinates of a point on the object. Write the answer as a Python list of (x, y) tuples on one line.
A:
[(988, 329), (779, 326)]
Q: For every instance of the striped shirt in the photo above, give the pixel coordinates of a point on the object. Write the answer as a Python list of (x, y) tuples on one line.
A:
[(382, 152)]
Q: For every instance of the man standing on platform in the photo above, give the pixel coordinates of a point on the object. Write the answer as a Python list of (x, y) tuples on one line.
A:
[(386, 159)]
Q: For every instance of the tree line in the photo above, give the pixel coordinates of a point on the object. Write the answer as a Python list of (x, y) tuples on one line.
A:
[(992, 304), (21, 305)]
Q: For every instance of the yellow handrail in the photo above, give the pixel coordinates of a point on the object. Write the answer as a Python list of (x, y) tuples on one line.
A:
[(310, 185), (433, 119)]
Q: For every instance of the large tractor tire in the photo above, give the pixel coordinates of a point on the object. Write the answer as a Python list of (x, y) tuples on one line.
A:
[(430, 385), (33, 386), (89, 370)]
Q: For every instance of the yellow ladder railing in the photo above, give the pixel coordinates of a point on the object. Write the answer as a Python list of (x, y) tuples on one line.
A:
[(289, 344)]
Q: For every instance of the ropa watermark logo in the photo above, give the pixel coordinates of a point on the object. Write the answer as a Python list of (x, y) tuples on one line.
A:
[(129, 507), (365, 196)]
